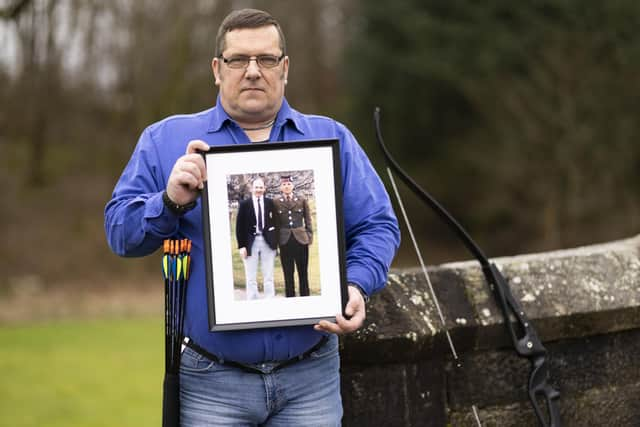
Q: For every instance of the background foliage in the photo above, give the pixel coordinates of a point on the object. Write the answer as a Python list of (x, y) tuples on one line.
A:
[(519, 117)]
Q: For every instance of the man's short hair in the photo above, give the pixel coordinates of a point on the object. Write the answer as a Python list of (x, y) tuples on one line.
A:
[(246, 18)]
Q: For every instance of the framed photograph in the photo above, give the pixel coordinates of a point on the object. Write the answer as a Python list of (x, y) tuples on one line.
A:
[(273, 234)]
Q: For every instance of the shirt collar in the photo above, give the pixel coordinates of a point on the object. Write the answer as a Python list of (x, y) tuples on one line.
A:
[(289, 115), (219, 117)]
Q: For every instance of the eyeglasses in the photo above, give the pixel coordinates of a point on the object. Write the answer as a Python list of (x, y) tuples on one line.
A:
[(242, 61)]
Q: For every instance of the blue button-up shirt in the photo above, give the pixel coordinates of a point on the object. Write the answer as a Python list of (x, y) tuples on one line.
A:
[(137, 222)]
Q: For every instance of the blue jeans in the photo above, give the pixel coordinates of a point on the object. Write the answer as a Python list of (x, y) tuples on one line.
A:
[(305, 393)]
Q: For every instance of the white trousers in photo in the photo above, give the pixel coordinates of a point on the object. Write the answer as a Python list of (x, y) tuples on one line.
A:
[(260, 251)]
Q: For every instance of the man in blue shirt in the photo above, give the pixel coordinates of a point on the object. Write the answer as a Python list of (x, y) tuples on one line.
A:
[(154, 200)]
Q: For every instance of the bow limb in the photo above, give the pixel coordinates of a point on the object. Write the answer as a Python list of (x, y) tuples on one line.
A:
[(525, 339)]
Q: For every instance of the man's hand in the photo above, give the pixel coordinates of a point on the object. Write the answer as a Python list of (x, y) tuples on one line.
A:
[(243, 253), (355, 309), (188, 174)]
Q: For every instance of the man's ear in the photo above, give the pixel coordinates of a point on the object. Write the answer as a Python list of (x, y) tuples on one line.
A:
[(285, 69), (215, 67)]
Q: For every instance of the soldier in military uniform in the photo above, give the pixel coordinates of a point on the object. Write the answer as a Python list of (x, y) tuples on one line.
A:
[(295, 236)]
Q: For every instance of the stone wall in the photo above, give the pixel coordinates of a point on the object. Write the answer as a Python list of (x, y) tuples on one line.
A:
[(584, 303)]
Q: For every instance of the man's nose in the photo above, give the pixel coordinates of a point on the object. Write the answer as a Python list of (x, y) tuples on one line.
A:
[(253, 69)]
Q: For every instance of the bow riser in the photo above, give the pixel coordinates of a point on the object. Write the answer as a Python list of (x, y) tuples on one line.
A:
[(524, 337)]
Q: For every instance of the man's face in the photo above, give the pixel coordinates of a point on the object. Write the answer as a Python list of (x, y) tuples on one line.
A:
[(258, 188), (253, 94), (286, 187)]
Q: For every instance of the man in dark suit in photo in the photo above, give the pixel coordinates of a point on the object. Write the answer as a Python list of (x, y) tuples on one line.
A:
[(295, 236), (257, 240)]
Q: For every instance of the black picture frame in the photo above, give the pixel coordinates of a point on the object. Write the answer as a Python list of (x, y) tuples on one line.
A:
[(314, 168)]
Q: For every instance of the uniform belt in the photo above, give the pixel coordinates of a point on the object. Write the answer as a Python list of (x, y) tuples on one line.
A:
[(249, 368)]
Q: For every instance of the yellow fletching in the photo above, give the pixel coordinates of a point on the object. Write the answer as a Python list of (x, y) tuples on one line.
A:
[(165, 267)]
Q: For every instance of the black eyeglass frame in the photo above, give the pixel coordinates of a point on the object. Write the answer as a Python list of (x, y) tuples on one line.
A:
[(248, 59)]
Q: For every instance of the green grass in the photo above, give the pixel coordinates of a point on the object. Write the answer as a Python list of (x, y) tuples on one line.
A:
[(82, 373)]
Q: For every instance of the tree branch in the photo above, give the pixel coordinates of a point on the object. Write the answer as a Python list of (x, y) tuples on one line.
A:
[(12, 12)]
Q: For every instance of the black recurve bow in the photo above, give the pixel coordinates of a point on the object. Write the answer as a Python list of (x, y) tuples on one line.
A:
[(525, 339)]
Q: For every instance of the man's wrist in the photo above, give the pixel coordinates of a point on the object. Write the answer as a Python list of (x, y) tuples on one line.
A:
[(174, 207), (362, 292)]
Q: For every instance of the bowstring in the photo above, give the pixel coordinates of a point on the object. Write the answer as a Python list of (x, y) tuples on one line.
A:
[(428, 279)]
